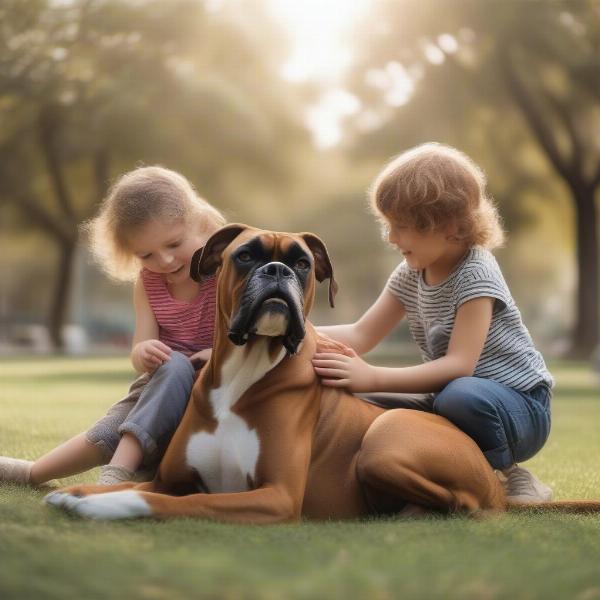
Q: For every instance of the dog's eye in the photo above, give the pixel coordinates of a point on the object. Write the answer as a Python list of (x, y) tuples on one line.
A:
[(244, 257), (302, 264)]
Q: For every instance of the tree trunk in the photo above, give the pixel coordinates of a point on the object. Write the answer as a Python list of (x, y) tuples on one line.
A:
[(585, 338), (60, 295), (586, 331), (49, 127)]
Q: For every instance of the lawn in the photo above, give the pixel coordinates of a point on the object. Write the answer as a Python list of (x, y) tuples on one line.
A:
[(47, 554)]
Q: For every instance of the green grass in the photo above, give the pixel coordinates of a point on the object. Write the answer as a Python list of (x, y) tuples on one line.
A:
[(47, 554)]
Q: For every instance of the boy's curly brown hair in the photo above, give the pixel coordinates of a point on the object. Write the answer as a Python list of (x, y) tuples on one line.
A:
[(434, 187)]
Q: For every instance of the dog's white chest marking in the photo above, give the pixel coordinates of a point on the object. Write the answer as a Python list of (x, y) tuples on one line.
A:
[(227, 457)]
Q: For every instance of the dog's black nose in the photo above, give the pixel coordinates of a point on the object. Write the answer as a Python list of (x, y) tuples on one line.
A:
[(276, 270)]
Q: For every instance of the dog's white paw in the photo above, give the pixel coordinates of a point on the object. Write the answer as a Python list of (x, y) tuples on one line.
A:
[(61, 500), (104, 507)]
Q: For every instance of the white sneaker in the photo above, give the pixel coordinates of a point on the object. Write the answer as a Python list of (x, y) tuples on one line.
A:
[(523, 486), (15, 470), (114, 475)]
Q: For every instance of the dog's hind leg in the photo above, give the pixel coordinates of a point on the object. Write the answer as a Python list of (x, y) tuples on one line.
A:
[(410, 457)]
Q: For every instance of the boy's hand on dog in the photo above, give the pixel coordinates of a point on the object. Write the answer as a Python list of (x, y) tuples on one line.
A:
[(348, 371), (329, 345)]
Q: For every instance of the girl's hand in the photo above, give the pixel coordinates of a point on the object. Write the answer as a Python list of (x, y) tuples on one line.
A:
[(351, 372), (199, 359), (150, 354)]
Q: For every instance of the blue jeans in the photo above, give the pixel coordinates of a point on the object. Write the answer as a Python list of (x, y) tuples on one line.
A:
[(509, 426)]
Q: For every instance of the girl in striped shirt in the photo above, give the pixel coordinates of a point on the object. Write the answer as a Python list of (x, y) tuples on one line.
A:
[(481, 370), (147, 230)]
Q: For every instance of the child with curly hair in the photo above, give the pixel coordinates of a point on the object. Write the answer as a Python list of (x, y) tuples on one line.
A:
[(481, 369), (147, 230)]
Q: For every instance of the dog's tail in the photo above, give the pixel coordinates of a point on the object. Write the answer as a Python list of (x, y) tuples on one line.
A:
[(576, 507)]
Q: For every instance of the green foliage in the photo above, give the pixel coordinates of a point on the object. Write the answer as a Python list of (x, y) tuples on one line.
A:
[(451, 58), (92, 88), (144, 81), (516, 86), (47, 554)]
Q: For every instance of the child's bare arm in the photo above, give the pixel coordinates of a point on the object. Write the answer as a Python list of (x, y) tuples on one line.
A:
[(147, 352), (468, 337), (372, 327)]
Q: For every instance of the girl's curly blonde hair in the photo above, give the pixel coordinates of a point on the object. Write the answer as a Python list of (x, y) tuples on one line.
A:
[(433, 187), (137, 197)]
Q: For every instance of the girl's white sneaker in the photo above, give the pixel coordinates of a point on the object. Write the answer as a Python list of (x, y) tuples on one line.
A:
[(15, 470), (113, 475)]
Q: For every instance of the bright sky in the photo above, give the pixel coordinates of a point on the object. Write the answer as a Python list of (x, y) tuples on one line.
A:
[(319, 54)]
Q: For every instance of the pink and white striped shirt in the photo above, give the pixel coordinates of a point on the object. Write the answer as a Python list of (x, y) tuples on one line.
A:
[(187, 327)]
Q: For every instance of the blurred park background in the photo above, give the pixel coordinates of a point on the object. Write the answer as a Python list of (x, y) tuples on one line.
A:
[(281, 113)]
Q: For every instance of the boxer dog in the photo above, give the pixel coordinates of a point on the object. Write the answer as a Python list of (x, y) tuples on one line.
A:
[(262, 441)]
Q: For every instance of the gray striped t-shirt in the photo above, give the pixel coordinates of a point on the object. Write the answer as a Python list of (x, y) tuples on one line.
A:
[(508, 355)]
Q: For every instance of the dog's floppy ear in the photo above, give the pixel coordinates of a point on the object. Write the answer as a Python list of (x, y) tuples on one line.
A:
[(323, 266), (206, 260)]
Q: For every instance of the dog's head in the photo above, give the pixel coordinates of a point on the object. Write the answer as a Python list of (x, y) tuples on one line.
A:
[(266, 282)]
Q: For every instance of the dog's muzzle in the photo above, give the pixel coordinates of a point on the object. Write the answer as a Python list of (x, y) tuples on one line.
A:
[(272, 304)]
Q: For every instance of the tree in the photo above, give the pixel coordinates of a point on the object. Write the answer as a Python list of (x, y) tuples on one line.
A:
[(439, 66), (92, 87)]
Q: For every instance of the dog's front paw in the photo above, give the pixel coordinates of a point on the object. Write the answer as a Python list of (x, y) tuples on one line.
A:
[(104, 507), (62, 499)]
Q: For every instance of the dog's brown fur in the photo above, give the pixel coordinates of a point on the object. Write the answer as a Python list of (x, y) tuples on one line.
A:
[(323, 452)]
